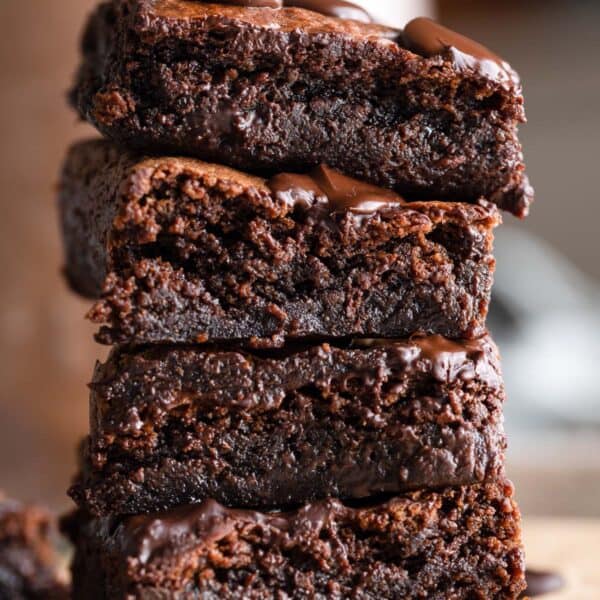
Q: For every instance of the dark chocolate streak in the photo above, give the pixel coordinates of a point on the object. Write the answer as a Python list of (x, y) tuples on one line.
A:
[(331, 8), (540, 583), (329, 188)]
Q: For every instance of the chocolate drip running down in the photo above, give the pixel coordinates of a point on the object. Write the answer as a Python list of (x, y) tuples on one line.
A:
[(330, 8), (330, 188), (428, 38)]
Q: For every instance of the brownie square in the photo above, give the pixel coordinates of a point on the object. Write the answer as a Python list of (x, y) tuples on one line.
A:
[(283, 90), (173, 426), (459, 543), (178, 250), (28, 564)]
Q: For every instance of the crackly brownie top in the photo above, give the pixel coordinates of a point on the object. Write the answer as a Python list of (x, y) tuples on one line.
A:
[(322, 192), (422, 37), (289, 18)]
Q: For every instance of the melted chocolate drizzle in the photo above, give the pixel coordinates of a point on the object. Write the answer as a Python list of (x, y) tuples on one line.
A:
[(340, 9), (449, 360), (147, 536), (428, 38), (329, 188)]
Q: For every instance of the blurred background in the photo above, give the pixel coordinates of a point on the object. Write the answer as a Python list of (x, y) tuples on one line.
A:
[(546, 310)]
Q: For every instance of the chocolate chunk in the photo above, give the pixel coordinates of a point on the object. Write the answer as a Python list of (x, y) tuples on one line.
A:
[(337, 192), (253, 3), (430, 39)]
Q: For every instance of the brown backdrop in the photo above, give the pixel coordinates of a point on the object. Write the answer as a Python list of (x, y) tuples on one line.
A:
[(46, 352)]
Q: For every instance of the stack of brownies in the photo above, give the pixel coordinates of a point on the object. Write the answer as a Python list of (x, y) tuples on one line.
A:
[(302, 400)]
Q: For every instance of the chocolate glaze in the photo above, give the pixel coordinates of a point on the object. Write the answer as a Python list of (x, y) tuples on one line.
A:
[(145, 537), (429, 38), (540, 583), (340, 9), (330, 188)]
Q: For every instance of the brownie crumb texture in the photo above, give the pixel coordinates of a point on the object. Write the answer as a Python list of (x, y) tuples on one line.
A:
[(178, 250), (456, 543)]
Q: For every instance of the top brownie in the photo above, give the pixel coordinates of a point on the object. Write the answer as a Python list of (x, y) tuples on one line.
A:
[(424, 110)]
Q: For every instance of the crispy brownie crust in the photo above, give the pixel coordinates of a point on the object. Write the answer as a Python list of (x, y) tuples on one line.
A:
[(173, 426), (459, 543), (28, 569), (273, 90), (183, 251)]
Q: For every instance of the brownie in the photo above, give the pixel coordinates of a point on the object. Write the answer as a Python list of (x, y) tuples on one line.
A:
[(28, 564), (178, 250), (173, 426), (460, 543), (424, 111)]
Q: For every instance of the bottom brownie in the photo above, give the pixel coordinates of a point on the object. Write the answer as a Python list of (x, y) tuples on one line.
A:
[(457, 543), (27, 561)]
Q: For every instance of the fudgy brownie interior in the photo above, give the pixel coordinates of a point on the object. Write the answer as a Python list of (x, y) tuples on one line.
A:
[(177, 425), (183, 251)]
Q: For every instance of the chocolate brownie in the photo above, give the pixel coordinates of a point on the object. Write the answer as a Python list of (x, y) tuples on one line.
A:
[(28, 565), (424, 111), (179, 250), (173, 426), (459, 543)]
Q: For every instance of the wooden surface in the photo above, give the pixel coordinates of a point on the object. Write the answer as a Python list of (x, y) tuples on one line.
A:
[(570, 547)]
